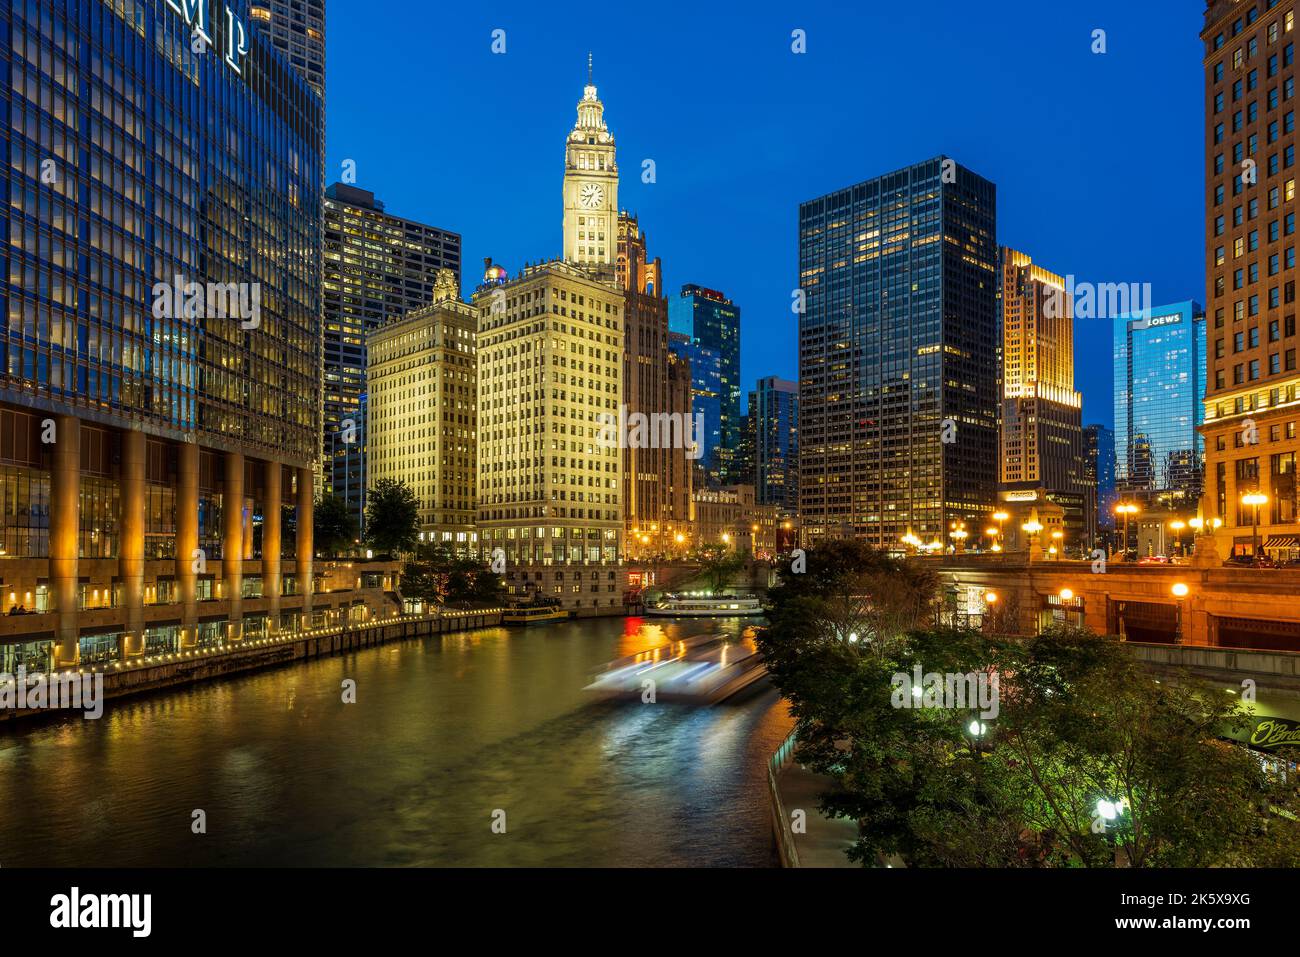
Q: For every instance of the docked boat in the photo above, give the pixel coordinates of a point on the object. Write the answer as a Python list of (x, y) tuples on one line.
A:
[(533, 615), (714, 606)]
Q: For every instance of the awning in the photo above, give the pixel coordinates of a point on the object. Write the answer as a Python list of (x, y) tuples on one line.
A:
[(1282, 541)]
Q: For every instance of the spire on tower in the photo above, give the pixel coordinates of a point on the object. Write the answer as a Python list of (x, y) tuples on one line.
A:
[(588, 68)]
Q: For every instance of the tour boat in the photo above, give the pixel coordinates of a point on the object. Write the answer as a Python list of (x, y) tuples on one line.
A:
[(716, 606), (533, 615)]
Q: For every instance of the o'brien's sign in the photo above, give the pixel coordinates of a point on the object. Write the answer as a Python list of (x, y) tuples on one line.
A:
[(1275, 733), (195, 13)]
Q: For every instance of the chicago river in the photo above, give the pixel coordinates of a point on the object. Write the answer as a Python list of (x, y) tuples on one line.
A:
[(446, 733)]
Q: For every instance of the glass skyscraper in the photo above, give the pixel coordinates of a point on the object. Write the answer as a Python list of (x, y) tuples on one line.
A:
[(898, 381), (774, 427), (160, 359), (1099, 461), (377, 268), (1159, 404), (712, 322), (706, 398)]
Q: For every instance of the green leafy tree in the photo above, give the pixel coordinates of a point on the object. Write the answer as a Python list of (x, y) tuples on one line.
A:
[(443, 578), (392, 517), (717, 564), (1078, 721), (334, 527)]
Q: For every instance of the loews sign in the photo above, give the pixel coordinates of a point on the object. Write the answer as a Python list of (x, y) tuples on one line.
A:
[(195, 13)]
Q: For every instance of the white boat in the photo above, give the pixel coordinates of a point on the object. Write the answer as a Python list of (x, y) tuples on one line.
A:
[(719, 606)]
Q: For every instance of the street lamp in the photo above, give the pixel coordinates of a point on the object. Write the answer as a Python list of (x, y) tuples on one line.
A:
[(958, 536), (1180, 591), (1255, 499), (1032, 528), (1126, 509), (1178, 525), (1000, 517), (1058, 542)]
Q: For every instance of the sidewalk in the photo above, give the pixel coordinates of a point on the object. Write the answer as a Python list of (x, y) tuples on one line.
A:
[(825, 840)]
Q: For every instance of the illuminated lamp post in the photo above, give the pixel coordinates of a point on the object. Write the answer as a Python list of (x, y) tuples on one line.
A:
[(1180, 591), (1126, 509), (1255, 499), (1178, 525)]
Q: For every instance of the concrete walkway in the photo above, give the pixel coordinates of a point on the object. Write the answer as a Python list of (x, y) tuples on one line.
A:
[(824, 840)]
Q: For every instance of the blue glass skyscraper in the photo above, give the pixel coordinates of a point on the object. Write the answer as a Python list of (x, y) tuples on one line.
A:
[(160, 368), (706, 394), (712, 321), (1159, 404)]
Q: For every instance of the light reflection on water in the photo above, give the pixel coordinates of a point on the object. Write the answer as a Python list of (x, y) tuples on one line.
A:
[(445, 731)]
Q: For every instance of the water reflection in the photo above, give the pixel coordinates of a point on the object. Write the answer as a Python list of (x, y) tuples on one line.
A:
[(444, 732)]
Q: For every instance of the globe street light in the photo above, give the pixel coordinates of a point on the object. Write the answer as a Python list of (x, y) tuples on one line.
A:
[(1000, 517), (1032, 528), (1255, 499), (1180, 591)]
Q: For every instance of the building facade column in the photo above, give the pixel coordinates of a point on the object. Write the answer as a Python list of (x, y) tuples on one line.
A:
[(187, 539), (131, 555), (65, 534), (304, 545), (271, 541), (232, 540)]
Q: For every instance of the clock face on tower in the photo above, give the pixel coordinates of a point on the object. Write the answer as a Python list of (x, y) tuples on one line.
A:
[(590, 195)]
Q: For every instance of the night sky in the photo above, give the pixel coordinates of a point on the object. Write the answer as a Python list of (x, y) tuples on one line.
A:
[(1097, 158)]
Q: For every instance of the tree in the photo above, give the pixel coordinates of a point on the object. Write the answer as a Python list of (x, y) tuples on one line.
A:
[(1077, 722), (334, 527), (850, 589), (717, 564), (448, 579), (392, 517)]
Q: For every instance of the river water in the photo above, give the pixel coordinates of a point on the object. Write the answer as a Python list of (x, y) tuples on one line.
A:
[(446, 734)]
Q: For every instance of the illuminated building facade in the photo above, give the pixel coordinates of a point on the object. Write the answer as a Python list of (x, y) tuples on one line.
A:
[(1099, 473), (550, 491), (657, 477), (1252, 384), (1159, 396), (731, 516), (423, 378), (591, 228), (774, 428), (160, 364), (297, 30), (711, 323), (704, 367), (898, 355), (378, 267), (1042, 414)]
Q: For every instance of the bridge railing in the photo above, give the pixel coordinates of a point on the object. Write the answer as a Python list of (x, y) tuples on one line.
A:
[(1282, 664), (785, 845)]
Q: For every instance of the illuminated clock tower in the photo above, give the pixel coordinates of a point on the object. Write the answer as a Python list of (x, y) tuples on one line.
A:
[(591, 188)]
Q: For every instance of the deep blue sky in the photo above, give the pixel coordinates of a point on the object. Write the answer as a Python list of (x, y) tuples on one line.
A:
[(1097, 158)]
